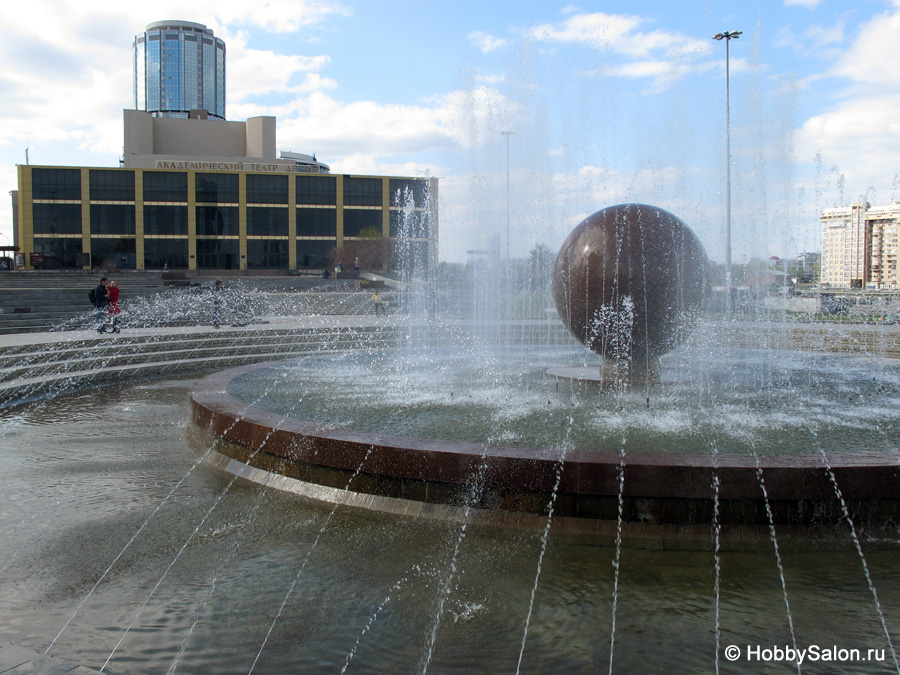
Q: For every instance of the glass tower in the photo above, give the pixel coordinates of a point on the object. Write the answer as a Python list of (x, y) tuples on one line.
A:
[(179, 66)]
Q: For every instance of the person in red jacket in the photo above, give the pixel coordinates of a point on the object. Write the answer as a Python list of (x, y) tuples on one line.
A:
[(112, 298)]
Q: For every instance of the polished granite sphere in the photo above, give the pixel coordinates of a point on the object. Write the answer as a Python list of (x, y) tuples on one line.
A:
[(630, 282)]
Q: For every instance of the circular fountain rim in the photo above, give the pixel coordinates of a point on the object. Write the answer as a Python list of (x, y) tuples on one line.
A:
[(672, 482)]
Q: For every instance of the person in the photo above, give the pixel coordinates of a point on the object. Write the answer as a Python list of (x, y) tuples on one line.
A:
[(379, 306), (101, 303), (356, 268), (112, 298), (217, 304), (340, 267), (326, 274)]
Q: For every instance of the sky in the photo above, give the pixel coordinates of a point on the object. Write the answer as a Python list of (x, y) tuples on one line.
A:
[(605, 103)]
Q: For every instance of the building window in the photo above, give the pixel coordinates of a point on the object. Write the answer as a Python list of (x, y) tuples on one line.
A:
[(113, 254), (317, 190), (267, 254), (217, 221), (408, 192), (266, 189), (112, 219), (57, 218), (362, 191), (165, 220), (267, 221), (316, 222), (58, 253), (311, 253), (357, 221), (56, 183), (409, 224), (165, 186), (112, 186), (221, 188), (171, 253), (219, 254)]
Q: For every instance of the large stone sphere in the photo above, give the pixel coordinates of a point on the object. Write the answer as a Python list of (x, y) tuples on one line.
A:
[(630, 282)]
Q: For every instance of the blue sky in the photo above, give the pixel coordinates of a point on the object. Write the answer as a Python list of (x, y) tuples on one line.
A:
[(608, 103)]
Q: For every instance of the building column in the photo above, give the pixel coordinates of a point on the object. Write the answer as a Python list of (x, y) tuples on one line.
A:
[(339, 210), (242, 220), (86, 214), (292, 222), (139, 218), (192, 219)]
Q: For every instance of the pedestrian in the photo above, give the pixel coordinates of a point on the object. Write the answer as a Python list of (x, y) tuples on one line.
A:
[(379, 304), (217, 304), (101, 302), (356, 268), (112, 298)]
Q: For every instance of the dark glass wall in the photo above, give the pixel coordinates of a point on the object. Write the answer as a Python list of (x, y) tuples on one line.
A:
[(56, 183), (57, 218), (408, 191), (317, 190), (409, 224), (112, 219), (267, 221), (267, 254), (356, 221), (114, 253), (165, 220), (222, 254), (220, 188), (58, 253), (312, 253), (362, 191), (112, 186), (165, 186), (264, 189), (218, 220), (172, 253), (316, 222)]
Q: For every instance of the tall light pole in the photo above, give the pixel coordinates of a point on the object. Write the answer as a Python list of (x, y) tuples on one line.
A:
[(507, 134), (728, 37)]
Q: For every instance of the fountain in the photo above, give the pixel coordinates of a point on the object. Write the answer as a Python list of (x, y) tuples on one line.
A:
[(455, 495)]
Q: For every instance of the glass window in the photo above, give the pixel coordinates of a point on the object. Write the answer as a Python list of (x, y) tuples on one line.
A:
[(266, 189), (112, 219), (165, 220), (311, 253), (409, 192), (58, 253), (409, 224), (356, 221), (165, 186), (267, 254), (172, 253), (362, 191), (56, 183), (57, 218), (317, 190), (219, 188), (113, 254), (112, 186), (217, 221), (221, 254), (316, 222), (267, 221)]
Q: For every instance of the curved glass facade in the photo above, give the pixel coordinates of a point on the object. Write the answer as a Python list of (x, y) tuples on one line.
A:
[(179, 67)]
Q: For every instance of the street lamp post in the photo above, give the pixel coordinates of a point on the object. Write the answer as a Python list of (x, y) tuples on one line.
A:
[(728, 36), (507, 134)]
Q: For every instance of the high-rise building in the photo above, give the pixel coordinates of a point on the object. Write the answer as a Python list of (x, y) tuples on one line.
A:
[(179, 66), (861, 246)]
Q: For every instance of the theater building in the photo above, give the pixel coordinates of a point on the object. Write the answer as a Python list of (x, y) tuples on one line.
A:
[(198, 193)]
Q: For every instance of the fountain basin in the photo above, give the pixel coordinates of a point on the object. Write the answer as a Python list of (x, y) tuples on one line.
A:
[(582, 486)]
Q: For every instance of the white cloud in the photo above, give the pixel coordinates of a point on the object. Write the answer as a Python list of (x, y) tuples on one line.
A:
[(485, 42), (809, 4)]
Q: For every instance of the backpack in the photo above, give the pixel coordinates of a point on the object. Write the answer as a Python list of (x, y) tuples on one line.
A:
[(92, 296)]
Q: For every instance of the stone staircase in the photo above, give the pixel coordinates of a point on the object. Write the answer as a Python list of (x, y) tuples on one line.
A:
[(37, 301)]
